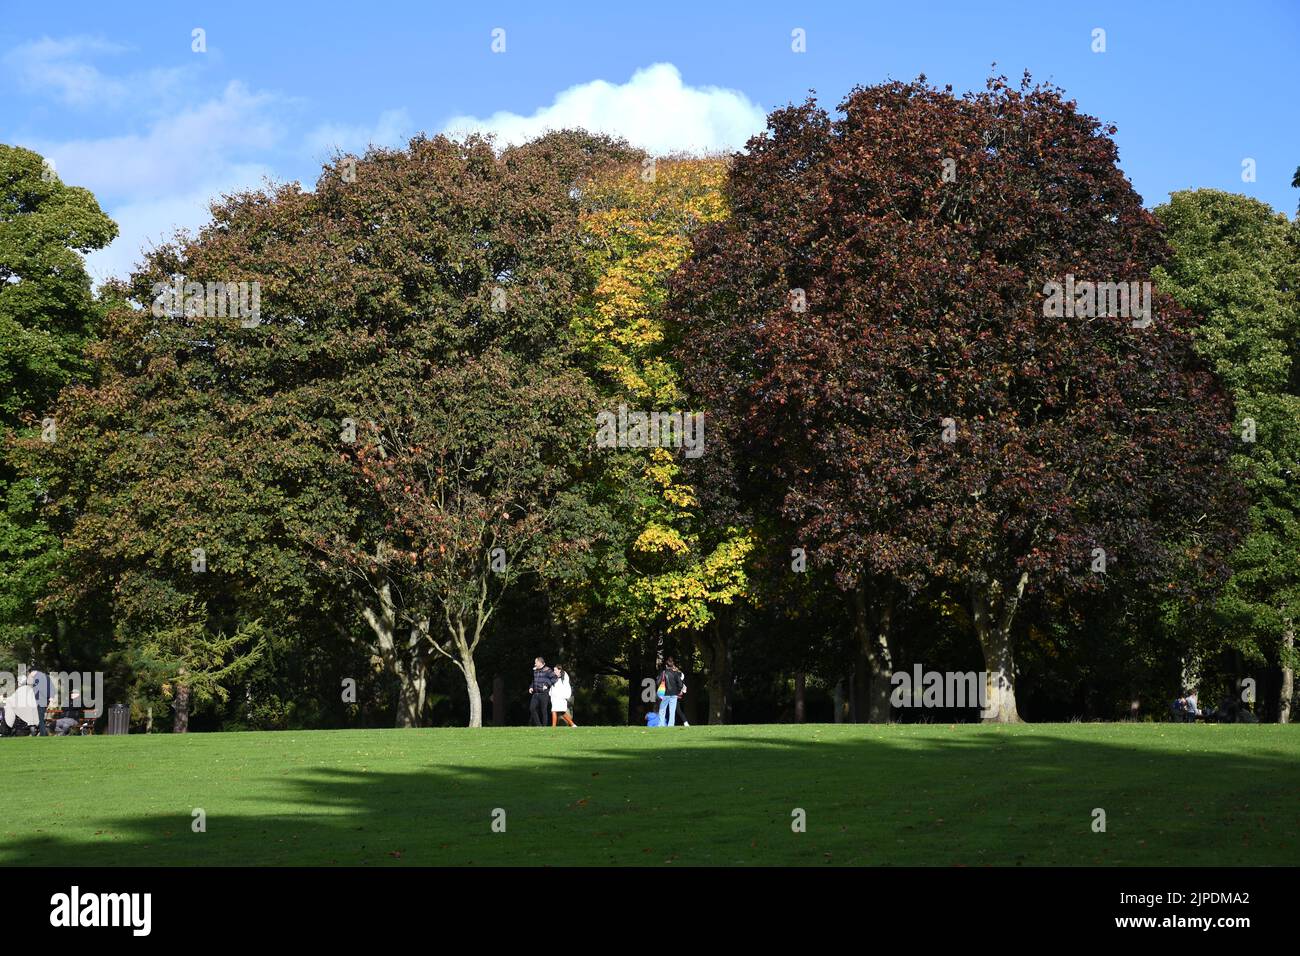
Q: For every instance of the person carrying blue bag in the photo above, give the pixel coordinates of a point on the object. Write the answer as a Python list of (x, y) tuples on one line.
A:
[(672, 684)]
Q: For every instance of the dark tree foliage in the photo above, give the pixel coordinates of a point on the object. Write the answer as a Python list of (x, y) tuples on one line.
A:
[(873, 326)]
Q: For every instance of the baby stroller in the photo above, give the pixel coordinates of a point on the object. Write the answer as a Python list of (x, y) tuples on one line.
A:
[(20, 728), (20, 713)]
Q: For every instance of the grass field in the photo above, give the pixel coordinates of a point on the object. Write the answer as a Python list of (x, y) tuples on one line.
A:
[(1177, 795)]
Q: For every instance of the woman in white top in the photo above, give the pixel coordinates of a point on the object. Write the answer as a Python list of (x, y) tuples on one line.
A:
[(561, 694)]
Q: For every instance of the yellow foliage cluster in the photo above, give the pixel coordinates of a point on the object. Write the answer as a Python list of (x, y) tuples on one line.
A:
[(638, 230), (684, 596)]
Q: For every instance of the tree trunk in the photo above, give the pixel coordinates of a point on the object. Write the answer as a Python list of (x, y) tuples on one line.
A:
[(718, 681), (798, 697), (716, 647), (1000, 677), (411, 694), (414, 691), (854, 692), (471, 687), (872, 623), (686, 705), (637, 670), (498, 701), (881, 660), (992, 611), (837, 701), (181, 722), (410, 670), (1288, 675), (463, 646)]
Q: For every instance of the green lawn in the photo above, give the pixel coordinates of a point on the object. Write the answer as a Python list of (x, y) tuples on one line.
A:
[(1177, 795)]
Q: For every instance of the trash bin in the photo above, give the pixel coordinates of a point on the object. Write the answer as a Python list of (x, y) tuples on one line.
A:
[(117, 719)]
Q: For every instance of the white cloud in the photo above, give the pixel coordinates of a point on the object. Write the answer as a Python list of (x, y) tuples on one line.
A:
[(393, 128), (654, 110), (62, 69), (145, 222), (176, 150), (164, 178), (59, 67)]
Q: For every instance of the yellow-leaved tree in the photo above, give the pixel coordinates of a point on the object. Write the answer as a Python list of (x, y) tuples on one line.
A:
[(679, 571)]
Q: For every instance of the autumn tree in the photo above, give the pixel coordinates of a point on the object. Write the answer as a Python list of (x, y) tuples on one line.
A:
[(403, 389), (682, 567), (470, 467), (878, 317)]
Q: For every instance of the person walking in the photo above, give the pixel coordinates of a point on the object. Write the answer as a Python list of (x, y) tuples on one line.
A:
[(40, 685), (561, 695), (672, 684), (539, 704)]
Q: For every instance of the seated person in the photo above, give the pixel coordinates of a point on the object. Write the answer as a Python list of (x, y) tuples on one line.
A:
[(1234, 711), (66, 725)]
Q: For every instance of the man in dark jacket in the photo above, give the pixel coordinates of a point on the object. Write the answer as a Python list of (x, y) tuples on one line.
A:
[(539, 706)]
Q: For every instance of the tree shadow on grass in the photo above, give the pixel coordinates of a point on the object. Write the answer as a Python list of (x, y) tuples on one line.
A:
[(869, 797)]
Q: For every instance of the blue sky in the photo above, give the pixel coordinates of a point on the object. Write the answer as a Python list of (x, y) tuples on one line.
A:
[(116, 97)]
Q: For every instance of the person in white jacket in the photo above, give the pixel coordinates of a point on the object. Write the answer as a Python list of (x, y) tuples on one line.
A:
[(561, 694)]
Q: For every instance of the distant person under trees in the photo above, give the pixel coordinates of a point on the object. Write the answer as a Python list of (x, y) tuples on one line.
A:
[(40, 684), (672, 684), (539, 704), (1185, 708), (561, 694)]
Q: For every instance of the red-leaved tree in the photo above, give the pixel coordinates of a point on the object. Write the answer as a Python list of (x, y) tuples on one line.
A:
[(879, 331)]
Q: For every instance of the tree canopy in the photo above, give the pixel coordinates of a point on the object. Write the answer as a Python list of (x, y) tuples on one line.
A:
[(961, 401)]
